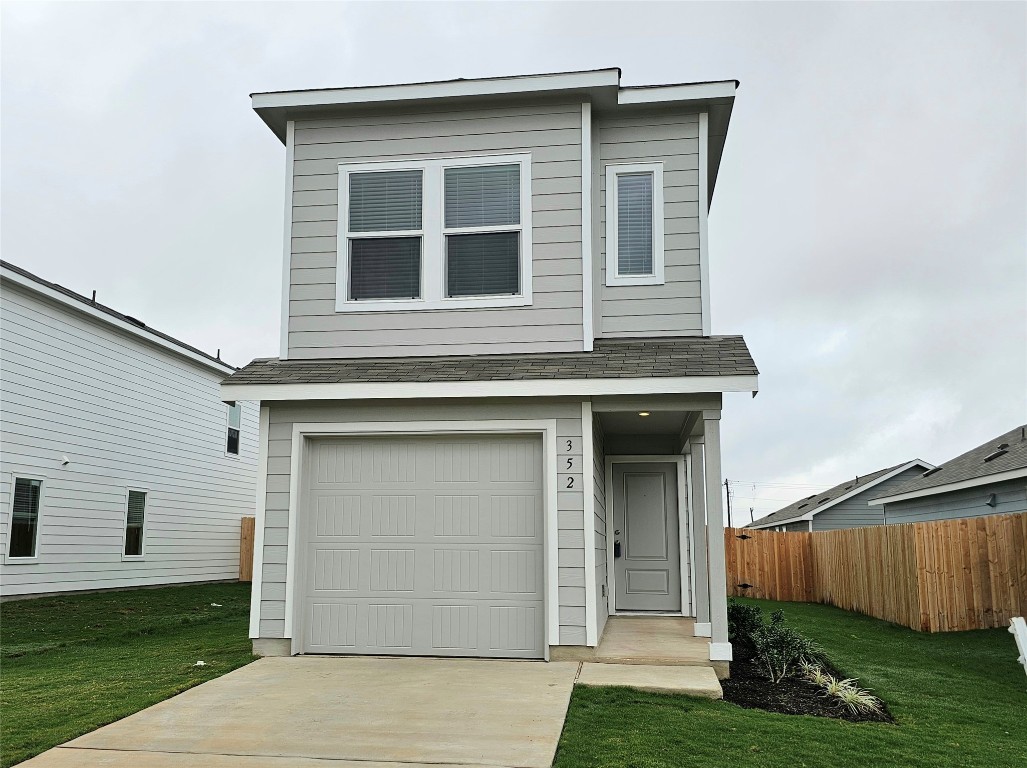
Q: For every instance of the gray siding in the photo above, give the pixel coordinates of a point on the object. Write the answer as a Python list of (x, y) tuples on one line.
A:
[(126, 414), (570, 503), (674, 308), (550, 132), (1010, 497), (856, 512), (599, 492), (802, 525)]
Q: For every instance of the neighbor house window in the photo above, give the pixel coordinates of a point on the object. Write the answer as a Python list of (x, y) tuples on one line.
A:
[(634, 224), (435, 234), (234, 428), (134, 520), (24, 531)]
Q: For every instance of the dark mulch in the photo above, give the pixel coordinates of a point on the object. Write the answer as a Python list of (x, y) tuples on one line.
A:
[(748, 687)]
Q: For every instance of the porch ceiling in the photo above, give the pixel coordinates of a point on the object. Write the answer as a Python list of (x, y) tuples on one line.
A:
[(656, 423)]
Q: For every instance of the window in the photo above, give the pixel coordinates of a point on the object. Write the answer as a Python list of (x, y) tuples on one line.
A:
[(134, 518), (234, 428), (435, 234), (634, 224), (24, 531)]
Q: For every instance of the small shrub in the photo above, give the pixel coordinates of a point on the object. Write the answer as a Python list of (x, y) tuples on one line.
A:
[(858, 701), (834, 687), (814, 673), (780, 650), (743, 621)]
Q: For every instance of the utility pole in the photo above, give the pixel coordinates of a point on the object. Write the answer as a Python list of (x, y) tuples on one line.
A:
[(727, 490)]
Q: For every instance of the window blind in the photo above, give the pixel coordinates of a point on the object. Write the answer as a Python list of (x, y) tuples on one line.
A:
[(385, 201), (24, 517), (134, 523), (385, 268), (635, 224), (481, 196), (136, 507), (483, 265)]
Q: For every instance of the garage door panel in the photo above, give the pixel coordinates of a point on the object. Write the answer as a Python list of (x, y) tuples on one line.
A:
[(427, 546)]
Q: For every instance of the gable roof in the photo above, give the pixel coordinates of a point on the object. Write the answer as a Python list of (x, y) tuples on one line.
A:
[(1002, 458), (818, 502), (109, 316)]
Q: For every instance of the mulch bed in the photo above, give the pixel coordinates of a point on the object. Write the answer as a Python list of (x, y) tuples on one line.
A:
[(748, 687)]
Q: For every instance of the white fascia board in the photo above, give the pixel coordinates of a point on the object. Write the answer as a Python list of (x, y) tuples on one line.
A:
[(114, 322), (669, 385), (500, 86), (998, 477), (724, 89)]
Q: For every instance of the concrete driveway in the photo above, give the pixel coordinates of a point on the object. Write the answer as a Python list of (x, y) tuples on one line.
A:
[(353, 712)]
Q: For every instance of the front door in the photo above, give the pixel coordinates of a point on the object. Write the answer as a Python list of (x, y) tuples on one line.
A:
[(646, 552)]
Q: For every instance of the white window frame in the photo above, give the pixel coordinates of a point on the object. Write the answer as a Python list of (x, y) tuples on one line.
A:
[(29, 475), (124, 524), (613, 277), (433, 236), (228, 425)]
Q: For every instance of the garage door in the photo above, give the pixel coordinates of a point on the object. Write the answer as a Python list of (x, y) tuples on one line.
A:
[(424, 546)]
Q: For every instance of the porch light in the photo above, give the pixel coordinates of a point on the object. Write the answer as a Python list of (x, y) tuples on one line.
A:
[(643, 413)]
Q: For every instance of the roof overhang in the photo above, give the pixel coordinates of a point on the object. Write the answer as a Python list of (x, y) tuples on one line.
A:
[(844, 497), (399, 390), (99, 315), (959, 485)]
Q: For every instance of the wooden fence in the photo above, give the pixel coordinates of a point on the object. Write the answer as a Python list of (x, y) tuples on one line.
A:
[(246, 549), (935, 577)]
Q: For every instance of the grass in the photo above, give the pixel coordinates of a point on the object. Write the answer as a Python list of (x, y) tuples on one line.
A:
[(71, 664), (959, 698)]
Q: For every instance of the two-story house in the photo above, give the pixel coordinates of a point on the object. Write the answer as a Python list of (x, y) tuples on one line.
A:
[(495, 417)]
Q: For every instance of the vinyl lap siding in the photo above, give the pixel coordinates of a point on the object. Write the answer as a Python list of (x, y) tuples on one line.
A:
[(550, 132), (674, 308), (126, 415), (570, 503), (1010, 497), (857, 512)]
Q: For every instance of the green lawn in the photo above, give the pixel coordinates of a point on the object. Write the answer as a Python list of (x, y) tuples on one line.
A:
[(71, 664), (960, 700)]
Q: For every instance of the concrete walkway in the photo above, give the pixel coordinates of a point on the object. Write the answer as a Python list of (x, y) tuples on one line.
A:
[(355, 712)]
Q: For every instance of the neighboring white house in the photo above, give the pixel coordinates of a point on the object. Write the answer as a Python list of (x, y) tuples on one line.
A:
[(495, 418), (121, 466), (844, 506)]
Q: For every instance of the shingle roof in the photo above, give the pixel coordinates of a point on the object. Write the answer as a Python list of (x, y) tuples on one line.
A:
[(620, 359), (804, 506), (80, 299), (973, 464)]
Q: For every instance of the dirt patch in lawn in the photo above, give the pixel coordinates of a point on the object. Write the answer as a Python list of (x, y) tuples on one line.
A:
[(748, 687)]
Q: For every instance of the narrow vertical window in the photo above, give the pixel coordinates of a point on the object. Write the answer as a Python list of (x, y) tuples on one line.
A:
[(134, 519), (25, 518), (234, 428), (634, 224)]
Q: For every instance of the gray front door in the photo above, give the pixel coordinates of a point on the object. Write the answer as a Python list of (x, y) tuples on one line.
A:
[(645, 521), (426, 546)]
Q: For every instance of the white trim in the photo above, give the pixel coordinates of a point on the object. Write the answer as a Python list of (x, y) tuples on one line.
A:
[(704, 209), (258, 524), (494, 86), (124, 524), (587, 276), (682, 509), (589, 522), (684, 541), (122, 325), (671, 385), (433, 235), (724, 89), (693, 603), (228, 426), (721, 652), (613, 277), (28, 474), (846, 496), (975, 482), (1018, 628), (545, 427), (290, 152), (702, 629)]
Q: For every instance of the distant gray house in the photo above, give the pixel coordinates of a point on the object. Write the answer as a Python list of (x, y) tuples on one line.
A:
[(990, 479), (846, 505)]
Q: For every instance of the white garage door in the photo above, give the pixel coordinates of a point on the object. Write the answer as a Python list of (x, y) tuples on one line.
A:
[(424, 546)]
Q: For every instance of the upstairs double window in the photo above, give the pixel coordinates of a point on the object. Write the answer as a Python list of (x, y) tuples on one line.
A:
[(634, 224), (435, 234)]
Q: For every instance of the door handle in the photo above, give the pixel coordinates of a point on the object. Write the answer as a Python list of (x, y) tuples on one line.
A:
[(616, 548)]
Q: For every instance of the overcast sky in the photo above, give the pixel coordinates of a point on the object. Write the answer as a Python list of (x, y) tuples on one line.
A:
[(868, 232)]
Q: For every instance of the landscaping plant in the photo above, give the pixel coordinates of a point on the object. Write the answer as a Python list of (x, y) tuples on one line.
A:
[(779, 650), (742, 621)]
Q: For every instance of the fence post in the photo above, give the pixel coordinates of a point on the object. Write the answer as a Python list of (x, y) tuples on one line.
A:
[(246, 549)]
